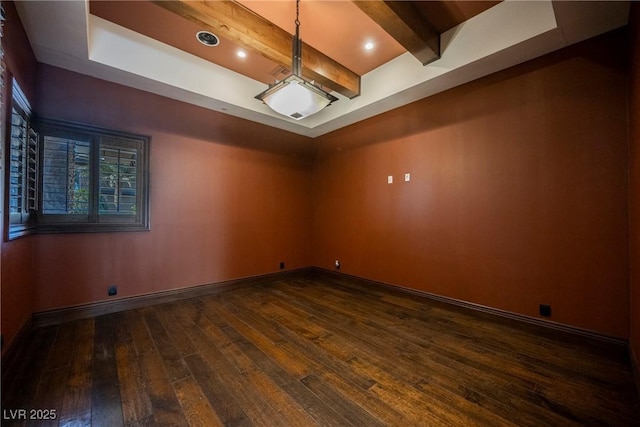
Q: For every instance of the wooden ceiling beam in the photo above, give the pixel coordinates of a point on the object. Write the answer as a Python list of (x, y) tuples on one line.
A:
[(236, 23), (403, 21)]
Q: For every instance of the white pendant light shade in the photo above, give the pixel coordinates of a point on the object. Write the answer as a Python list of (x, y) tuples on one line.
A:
[(296, 98)]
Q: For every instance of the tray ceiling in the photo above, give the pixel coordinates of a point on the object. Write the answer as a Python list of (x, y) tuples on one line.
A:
[(152, 46)]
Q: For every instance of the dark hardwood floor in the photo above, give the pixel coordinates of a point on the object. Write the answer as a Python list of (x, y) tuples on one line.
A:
[(313, 349)]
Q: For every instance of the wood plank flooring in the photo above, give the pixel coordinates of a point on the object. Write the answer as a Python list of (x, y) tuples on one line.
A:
[(313, 349)]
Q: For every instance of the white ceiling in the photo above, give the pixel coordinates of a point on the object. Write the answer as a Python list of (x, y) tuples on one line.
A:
[(66, 35)]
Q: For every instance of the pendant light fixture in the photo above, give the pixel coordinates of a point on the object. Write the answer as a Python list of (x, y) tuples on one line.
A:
[(294, 96)]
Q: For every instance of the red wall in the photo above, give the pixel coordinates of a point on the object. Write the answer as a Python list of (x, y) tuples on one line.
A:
[(17, 279), (634, 161), (518, 193), (229, 198), (19, 58)]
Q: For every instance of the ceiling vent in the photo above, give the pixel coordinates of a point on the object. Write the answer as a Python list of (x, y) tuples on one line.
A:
[(207, 38)]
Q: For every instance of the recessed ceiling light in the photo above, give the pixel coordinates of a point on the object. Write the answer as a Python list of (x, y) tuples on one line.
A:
[(207, 38), (369, 45), (242, 54)]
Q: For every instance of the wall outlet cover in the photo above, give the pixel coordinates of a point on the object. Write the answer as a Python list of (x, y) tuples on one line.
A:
[(545, 310)]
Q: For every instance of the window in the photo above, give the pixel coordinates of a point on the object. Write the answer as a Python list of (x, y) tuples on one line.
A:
[(92, 179), (65, 176), (74, 178), (118, 178), (22, 164)]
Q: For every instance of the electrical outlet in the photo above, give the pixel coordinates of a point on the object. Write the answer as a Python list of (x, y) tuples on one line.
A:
[(337, 265), (112, 290), (545, 310), (282, 266)]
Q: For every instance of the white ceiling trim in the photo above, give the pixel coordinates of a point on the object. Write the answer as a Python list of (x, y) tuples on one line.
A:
[(64, 34)]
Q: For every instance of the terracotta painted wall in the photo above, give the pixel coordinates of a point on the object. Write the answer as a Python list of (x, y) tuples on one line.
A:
[(634, 194), (17, 278), (229, 198), (518, 196), (518, 191)]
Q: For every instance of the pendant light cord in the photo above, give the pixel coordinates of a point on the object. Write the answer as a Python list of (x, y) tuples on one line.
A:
[(297, 45)]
